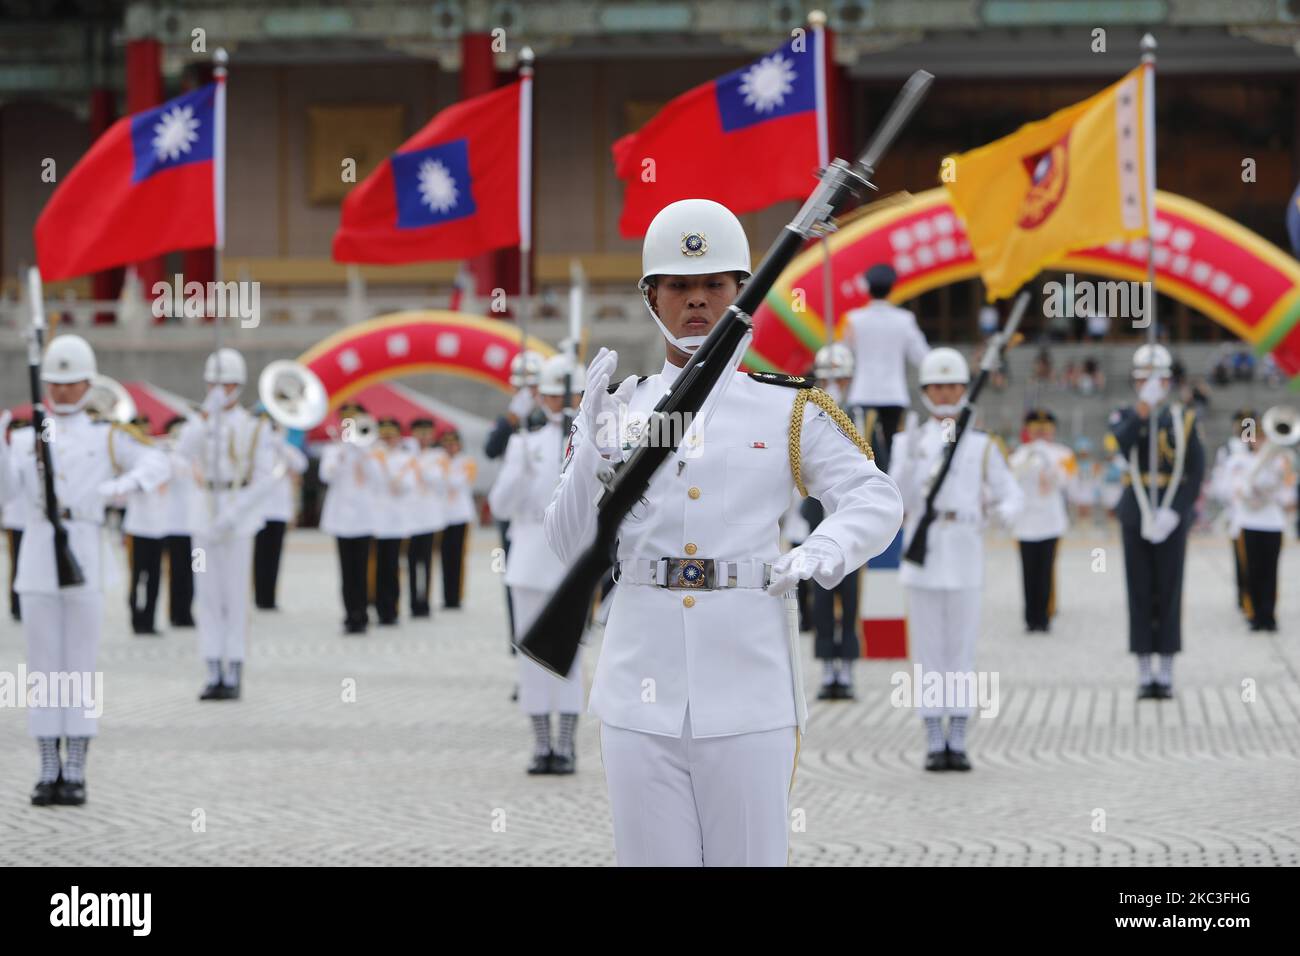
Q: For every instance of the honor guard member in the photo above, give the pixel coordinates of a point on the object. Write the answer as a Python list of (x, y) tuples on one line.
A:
[(11, 519), (884, 339), (1044, 469), (1155, 531), (350, 473), (698, 686), (836, 646), (390, 501), (425, 516), (232, 450), (1263, 486), (523, 489), (281, 508), (182, 489), (943, 595), (459, 473), (1244, 422), (145, 524), (93, 463)]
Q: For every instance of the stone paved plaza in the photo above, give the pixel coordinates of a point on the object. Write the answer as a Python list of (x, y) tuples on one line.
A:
[(426, 766)]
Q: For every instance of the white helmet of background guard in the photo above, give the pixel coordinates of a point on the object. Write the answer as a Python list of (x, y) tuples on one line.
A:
[(225, 367), (68, 358), (551, 380), (525, 368), (1152, 358), (943, 366), (833, 361)]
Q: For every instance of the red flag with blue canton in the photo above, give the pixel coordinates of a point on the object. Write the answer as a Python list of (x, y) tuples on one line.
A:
[(451, 191), (746, 140), (147, 186)]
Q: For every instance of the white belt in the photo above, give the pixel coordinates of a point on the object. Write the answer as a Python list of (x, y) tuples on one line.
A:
[(693, 574)]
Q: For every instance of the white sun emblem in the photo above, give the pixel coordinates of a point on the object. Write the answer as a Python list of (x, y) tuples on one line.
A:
[(766, 83), (175, 132), (437, 187)]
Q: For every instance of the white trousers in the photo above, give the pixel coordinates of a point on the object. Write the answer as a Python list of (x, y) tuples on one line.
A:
[(540, 691), (942, 627), (708, 801), (221, 597), (62, 633)]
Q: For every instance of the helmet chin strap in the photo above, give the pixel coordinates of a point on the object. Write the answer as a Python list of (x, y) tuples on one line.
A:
[(69, 408), (943, 411), (687, 343)]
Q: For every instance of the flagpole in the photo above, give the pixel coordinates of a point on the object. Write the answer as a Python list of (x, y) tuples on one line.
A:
[(525, 191), (817, 20), (219, 73), (1148, 46)]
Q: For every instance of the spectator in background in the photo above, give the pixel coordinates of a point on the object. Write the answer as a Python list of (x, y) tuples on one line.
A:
[(1042, 373), (989, 320), (1098, 326)]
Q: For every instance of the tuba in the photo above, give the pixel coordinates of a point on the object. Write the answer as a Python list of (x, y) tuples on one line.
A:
[(1281, 427), (109, 401), (292, 395)]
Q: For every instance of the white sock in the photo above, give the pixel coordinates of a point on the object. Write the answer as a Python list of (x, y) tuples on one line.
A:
[(214, 671), (934, 734), (957, 734), (1165, 676), (1144, 668), (50, 768), (829, 670)]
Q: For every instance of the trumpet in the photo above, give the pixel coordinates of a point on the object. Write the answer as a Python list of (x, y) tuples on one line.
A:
[(362, 431), (109, 401)]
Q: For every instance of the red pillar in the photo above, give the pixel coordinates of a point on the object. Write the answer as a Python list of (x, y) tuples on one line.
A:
[(104, 285), (144, 90), (199, 265)]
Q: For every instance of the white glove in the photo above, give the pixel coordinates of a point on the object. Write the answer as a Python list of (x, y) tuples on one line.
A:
[(1153, 390), (602, 412), (118, 487), (1163, 523), (224, 523), (215, 400), (521, 404), (819, 558)]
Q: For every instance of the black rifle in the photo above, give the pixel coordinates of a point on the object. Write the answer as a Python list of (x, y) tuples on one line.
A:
[(552, 640), (69, 571), (917, 547)]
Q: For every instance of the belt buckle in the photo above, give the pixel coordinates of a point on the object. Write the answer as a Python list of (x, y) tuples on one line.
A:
[(688, 574)]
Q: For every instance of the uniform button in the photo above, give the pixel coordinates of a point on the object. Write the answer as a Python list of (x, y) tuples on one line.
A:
[(694, 493), (691, 548), (688, 601)]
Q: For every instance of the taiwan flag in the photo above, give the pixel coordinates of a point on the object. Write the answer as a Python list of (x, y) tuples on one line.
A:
[(151, 184), (746, 140), (451, 191)]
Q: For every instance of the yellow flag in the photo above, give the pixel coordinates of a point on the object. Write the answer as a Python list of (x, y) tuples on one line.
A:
[(1072, 181)]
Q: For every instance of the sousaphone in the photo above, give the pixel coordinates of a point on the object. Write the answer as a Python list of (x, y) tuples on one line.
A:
[(292, 395)]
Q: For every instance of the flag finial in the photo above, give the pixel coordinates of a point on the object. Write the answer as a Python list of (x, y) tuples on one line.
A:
[(817, 19), (1148, 45)]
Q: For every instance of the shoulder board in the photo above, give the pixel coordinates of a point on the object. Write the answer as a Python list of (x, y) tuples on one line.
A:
[(613, 386), (778, 378), (130, 430)]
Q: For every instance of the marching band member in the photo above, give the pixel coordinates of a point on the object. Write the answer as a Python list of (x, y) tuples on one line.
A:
[(11, 519), (459, 473), (1262, 482), (1221, 491), (698, 687), (182, 489), (943, 595), (1155, 532), (232, 451), (1044, 468), (93, 462), (145, 524), (281, 508), (350, 473), (522, 491), (390, 501), (426, 515)]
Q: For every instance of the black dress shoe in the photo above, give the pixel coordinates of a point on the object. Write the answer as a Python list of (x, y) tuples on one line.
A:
[(938, 760), (215, 691), (231, 691), (957, 760), (43, 794), (187, 622), (541, 764), (1163, 691), (845, 691), (354, 628), (829, 692), (563, 763), (69, 794), (1149, 691)]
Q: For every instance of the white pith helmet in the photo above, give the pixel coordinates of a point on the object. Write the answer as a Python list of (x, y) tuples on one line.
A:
[(68, 358), (225, 367), (833, 361), (943, 366)]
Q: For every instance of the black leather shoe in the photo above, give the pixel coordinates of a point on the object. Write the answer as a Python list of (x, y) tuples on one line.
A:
[(69, 794), (957, 760), (1148, 691), (938, 760), (563, 763), (43, 794), (829, 692), (845, 691), (231, 691), (354, 628), (541, 764), (1163, 692), (215, 691)]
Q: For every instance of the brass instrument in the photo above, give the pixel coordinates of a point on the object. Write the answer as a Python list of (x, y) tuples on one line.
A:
[(292, 395), (109, 401)]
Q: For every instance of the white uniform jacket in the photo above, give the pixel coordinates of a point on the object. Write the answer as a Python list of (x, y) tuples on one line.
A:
[(85, 454), (1261, 493), (725, 653), (391, 495), (460, 472), (241, 477), (1044, 470), (524, 487), (351, 474), (884, 338), (427, 511), (281, 501), (955, 545), (1221, 487)]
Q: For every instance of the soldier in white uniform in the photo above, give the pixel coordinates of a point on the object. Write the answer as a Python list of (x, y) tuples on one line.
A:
[(93, 462), (426, 515), (943, 595), (351, 474), (281, 509), (390, 499), (523, 489), (145, 521), (182, 489), (1221, 491), (232, 452), (1044, 468), (459, 472), (698, 687), (11, 519)]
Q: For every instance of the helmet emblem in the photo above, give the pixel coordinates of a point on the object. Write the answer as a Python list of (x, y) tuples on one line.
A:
[(694, 244)]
